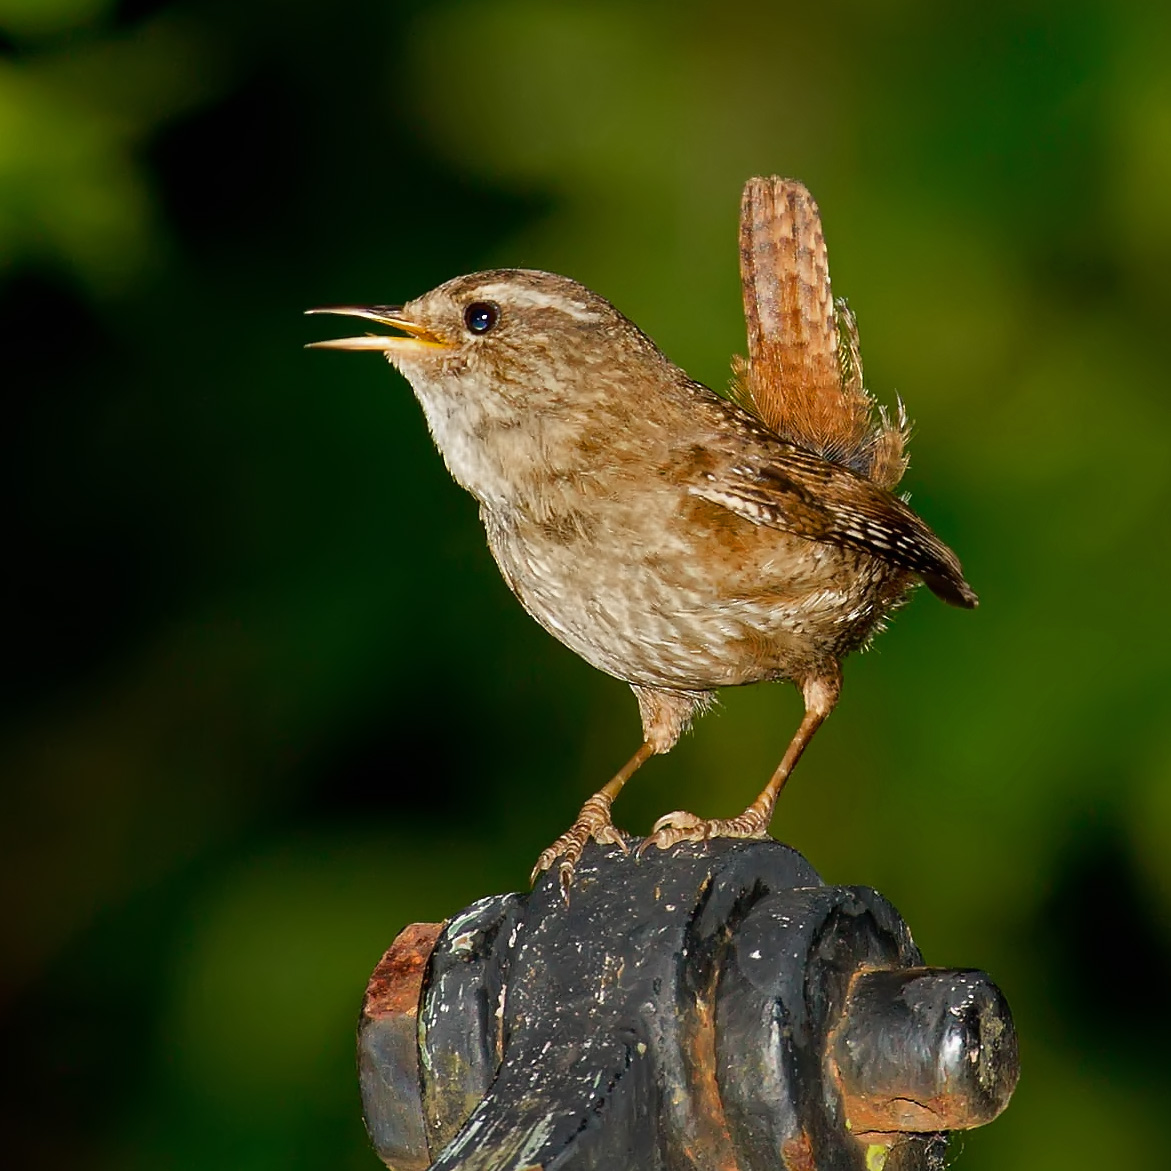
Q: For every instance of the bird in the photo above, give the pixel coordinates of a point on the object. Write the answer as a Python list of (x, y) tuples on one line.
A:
[(678, 539)]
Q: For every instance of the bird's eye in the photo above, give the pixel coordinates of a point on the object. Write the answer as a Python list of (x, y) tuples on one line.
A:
[(481, 316)]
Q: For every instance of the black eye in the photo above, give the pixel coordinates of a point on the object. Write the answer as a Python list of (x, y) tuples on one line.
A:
[(481, 316)]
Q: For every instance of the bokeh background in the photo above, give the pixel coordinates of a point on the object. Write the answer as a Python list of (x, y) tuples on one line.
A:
[(266, 698)]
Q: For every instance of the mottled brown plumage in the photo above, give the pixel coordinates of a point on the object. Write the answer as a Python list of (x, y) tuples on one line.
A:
[(674, 539)]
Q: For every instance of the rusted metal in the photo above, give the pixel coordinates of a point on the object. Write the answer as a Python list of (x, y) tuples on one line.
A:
[(797, 1153), (712, 1008), (923, 1049), (396, 984), (708, 1138), (388, 1049)]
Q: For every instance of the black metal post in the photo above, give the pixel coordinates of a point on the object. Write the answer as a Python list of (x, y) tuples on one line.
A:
[(711, 1007)]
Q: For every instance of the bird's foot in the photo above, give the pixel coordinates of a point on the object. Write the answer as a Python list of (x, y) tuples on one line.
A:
[(592, 822), (680, 826)]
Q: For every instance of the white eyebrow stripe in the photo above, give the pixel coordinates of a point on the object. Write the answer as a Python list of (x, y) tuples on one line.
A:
[(510, 294)]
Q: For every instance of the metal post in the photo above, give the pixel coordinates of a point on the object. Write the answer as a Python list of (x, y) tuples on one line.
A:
[(711, 1007)]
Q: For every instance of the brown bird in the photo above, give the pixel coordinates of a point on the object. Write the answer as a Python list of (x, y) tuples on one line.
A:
[(675, 539)]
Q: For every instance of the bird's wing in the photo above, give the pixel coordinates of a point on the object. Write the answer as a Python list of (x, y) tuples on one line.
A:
[(800, 493)]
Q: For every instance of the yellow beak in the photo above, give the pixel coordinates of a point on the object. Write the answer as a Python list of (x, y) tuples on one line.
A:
[(417, 336)]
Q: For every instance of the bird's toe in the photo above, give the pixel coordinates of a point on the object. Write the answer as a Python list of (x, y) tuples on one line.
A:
[(676, 827), (681, 826), (567, 849)]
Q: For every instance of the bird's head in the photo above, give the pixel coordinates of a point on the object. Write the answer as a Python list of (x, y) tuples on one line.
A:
[(510, 358), (524, 336)]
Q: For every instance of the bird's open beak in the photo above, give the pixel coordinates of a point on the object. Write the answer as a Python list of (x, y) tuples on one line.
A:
[(416, 336)]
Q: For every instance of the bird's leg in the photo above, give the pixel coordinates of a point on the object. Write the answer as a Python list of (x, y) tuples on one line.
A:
[(592, 822), (820, 695)]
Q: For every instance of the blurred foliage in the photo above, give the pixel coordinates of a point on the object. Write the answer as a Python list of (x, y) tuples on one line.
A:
[(266, 699), (72, 121)]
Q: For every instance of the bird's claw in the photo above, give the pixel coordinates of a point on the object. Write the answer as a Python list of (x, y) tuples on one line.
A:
[(591, 823), (681, 826)]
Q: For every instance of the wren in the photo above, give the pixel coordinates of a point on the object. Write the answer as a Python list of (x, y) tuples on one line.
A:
[(676, 539)]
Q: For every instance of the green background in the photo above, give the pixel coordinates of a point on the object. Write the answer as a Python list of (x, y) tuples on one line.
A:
[(266, 697)]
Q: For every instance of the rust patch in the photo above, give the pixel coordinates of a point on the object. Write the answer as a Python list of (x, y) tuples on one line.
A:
[(882, 1113), (397, 981), (797, 1153), (710, 1141)]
